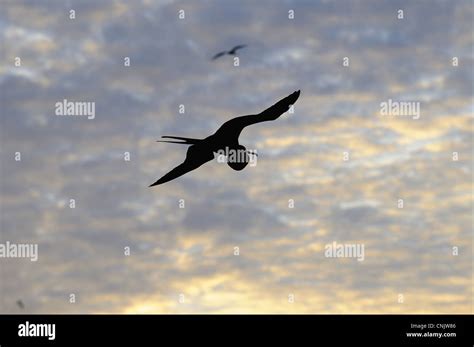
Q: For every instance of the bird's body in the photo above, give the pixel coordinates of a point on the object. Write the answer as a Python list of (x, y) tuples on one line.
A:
[(224, 139)]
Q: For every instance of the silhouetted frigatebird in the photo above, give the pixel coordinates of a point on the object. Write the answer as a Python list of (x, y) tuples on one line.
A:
[(226, 137), (231, 52)]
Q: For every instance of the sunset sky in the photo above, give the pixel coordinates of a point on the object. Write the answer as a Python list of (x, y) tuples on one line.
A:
[(188, 253)]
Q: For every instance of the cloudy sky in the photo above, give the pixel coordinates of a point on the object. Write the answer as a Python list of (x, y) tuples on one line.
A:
[(182, 259)]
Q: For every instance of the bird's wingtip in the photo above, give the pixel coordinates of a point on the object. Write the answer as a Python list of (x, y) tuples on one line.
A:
[(295, 95)]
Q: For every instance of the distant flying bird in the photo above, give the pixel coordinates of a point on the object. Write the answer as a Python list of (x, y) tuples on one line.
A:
[(231, 52), (20, 304), (226, 138)]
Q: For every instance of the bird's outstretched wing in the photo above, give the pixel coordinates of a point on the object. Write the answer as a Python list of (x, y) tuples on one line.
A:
[(233, 50), (218, 55), (234, 126), (194, 159)]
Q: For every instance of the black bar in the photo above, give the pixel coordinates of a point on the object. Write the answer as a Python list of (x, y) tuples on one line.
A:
[(314, 330)]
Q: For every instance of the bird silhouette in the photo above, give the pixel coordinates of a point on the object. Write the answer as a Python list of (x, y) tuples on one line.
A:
[(231, 52), (20, 304), (225, 138)]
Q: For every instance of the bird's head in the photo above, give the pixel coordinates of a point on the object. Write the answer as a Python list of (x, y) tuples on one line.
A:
[(238, 158)]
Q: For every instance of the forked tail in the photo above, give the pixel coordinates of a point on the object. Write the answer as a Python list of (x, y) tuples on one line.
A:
[(184, 140)]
